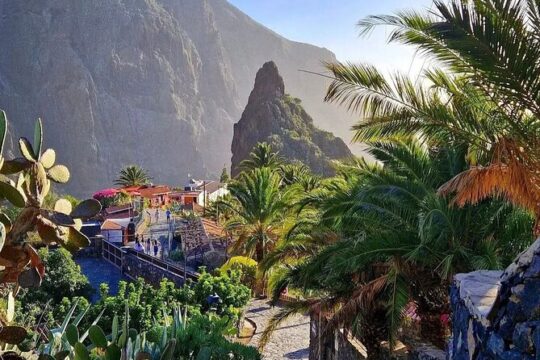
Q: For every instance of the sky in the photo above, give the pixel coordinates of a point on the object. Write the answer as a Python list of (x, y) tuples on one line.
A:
[(332, 24)]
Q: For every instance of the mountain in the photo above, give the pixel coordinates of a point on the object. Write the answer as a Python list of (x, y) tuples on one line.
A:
[(158, 83), (277, 118)]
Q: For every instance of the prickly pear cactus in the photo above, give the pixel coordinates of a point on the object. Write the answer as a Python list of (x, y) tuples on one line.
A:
[(24, 182)]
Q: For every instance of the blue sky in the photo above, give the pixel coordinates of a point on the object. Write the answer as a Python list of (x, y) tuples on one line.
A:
[(332, 24)]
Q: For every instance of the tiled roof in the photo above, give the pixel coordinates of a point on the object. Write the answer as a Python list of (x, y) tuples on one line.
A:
[(153, 191), (120, 208), (212, 229)]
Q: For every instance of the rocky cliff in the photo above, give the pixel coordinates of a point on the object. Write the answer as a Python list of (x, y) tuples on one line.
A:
[(157, 83), (277, 118)]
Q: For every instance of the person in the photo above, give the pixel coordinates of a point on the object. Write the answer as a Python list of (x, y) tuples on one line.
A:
[(148, 246), (138, 246), (168, 215), (130, 231), (157, 215), (156, 248)]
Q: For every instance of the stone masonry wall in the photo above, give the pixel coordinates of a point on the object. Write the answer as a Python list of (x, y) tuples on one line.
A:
[(508, 327), (151, 273)]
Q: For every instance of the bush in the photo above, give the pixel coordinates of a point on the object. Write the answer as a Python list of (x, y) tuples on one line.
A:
[(233, 294), (247, 266), (176, 255)]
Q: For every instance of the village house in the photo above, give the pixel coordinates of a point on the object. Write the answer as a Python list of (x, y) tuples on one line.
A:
[(157, 196), (201, 192)]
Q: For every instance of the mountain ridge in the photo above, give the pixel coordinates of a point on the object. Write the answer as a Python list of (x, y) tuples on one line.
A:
[(154, 83)]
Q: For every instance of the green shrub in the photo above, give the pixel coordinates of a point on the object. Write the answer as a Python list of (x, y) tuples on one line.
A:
[(176, 255), (247, 266)]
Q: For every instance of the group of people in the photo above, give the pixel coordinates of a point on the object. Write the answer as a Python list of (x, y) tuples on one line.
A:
[(156, 215), (148, 246)]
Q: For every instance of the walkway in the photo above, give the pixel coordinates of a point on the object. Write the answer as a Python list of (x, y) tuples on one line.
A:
[(289, 341), (158, 229)]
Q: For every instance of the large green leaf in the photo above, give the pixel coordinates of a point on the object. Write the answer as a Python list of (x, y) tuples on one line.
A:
[(13, 334), (81, 352), (72, 334), (48, 158), (27, 151), (113, 352), (3, 129), (77, 238), (58, 218), (63, 206), (38, 138), (29, 279), (14, 166), (86, 209), (14, 195), (97, 336), (59, 174)]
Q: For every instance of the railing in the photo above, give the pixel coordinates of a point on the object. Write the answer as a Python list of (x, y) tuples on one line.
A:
[(112, 253), (164, 265), (116, 254)]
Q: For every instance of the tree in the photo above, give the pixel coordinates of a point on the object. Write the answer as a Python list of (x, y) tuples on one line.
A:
[(390, 216), (261, 156), (132, 175), (224, 178), (490, 49), (260, 207), (62, 284)]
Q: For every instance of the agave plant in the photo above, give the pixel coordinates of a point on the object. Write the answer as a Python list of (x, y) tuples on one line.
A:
[(67, 342), (25, 182)]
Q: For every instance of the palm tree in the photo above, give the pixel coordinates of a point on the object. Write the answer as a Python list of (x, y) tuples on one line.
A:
[(491, 48), (260, 207), (132, 175), (392, 216), (261, 156)]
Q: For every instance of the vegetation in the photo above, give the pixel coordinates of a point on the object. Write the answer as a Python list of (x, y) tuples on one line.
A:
[(224, 177), (485, 96), (180, 337), (261, 156), (34, 171), (132, 175), (246, 266), (176, 255)]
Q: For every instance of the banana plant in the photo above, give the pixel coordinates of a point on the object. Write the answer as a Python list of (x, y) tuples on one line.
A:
[(25, 181)]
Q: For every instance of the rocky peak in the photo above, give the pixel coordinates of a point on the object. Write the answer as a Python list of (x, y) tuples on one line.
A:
[(280, 120), (268, 83)]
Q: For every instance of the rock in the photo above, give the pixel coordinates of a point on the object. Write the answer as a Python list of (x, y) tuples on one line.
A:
[(530, 301), (514, 355), (274, 117), (495, 345), (522, 337), (154, 83), (534, 268)]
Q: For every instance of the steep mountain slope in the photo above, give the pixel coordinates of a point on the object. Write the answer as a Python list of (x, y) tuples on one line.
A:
[(277, 118), (158, 83)]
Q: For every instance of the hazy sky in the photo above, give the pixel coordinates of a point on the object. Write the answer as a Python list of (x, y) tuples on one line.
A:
[(332, 24)]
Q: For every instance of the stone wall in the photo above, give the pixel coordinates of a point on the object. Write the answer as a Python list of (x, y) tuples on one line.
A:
[(151, 270), (497, 315)]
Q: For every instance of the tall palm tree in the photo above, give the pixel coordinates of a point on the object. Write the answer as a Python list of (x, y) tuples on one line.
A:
[(260, 207), (391, 215), (261, 156), (492, 50), (132, 175)]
